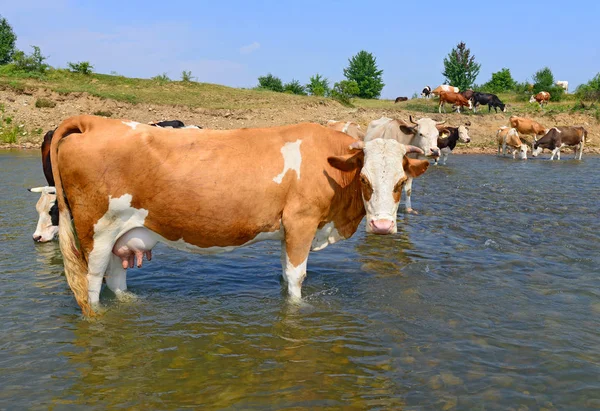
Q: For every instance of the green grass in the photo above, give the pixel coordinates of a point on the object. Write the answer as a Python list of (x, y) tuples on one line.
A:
[(136, 90)]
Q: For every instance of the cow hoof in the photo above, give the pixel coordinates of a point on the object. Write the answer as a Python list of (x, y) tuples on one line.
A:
[(412, 211), (126, 296)]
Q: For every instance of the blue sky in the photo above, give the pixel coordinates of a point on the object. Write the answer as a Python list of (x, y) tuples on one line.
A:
[(234, 42)]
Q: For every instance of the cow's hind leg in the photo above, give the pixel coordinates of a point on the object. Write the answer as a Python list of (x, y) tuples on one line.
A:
[(116, 278)]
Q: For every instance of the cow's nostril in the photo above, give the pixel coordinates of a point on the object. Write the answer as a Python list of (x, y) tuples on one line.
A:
[(37, 238)]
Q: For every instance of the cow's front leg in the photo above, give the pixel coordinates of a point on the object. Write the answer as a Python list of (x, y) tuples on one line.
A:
[(407, 194), (294, 255)]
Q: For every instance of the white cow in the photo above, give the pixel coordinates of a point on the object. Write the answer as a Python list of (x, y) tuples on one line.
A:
[(423, 134), (564, 85)]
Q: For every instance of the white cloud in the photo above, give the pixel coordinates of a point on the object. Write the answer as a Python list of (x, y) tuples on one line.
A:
[(250, 48)]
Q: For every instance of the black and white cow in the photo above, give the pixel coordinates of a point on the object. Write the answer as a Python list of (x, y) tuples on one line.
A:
[(426, 92), (491, 100), (447, 140)]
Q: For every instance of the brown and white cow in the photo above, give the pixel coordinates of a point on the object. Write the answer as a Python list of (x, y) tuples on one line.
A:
[(527, 126), (543, 97), (456, 99), (349, 127), (127, 186), (444, 87), (508, 138), (421, 133), (558, 137)]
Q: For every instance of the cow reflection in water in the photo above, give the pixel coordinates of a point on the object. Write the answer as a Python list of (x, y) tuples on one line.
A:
[(385, 256)]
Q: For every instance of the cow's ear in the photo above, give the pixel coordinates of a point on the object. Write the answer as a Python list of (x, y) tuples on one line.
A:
[(413, 167), (348, 162), (407, 129)]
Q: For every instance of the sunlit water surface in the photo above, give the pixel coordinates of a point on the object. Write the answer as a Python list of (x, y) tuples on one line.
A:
[(489, 299)]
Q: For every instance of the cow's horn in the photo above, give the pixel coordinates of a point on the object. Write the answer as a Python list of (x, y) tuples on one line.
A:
[(413, 149), (46, 189), (440, 122), (411, 120)]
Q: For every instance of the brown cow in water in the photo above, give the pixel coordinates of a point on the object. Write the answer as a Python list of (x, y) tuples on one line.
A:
[(399, 99), (558, 137), (456, 99), (349, 127), (543, 97), (123, 186)]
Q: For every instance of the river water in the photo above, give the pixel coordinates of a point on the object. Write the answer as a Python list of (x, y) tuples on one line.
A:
[(489, 299)]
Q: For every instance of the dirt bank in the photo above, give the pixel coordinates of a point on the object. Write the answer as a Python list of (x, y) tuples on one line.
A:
[(35, 121)]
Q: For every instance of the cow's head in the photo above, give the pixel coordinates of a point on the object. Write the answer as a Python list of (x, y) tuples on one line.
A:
[(384, 169), (532, 99), (463, 134), (47, 208), (470, 101), (523, 151), (425, 135)]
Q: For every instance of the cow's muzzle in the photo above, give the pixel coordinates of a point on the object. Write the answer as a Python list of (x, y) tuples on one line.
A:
[(381, 227)]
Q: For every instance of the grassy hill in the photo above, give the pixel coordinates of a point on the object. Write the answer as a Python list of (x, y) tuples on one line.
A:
[(38, 103)]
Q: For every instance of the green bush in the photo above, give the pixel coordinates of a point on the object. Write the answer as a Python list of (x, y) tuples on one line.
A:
[(102, 113), (7, 42), (344, 91), (32, 63), (186, 76), (294, 87), (501, 81), (44, 103), (318, 86), (590, 90), (9, 132), (161, 78), (83, 67), (270, 82)]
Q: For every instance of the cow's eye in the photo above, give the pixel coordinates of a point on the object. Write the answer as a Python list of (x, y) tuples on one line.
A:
[(364, 180)]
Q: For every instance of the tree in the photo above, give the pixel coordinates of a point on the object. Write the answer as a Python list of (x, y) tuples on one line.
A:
[(501, 81), (7, 41), (543, 80), (32, 63), (362, 69), (590, 90), (318, 86), (460, 68), (344, 91), (294, 87), (270, 82)]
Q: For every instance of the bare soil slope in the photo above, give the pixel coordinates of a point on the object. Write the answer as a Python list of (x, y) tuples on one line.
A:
[(20, 106)]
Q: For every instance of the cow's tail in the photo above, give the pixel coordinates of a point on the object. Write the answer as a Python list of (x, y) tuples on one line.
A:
[(76, 267)]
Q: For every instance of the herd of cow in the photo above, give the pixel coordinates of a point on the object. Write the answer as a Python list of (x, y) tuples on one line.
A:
[(471, 99), (116, 188)]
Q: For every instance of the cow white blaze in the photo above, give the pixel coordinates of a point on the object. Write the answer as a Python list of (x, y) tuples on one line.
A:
[(292, 160), (463, 134), (382, 178), (132, 124)]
